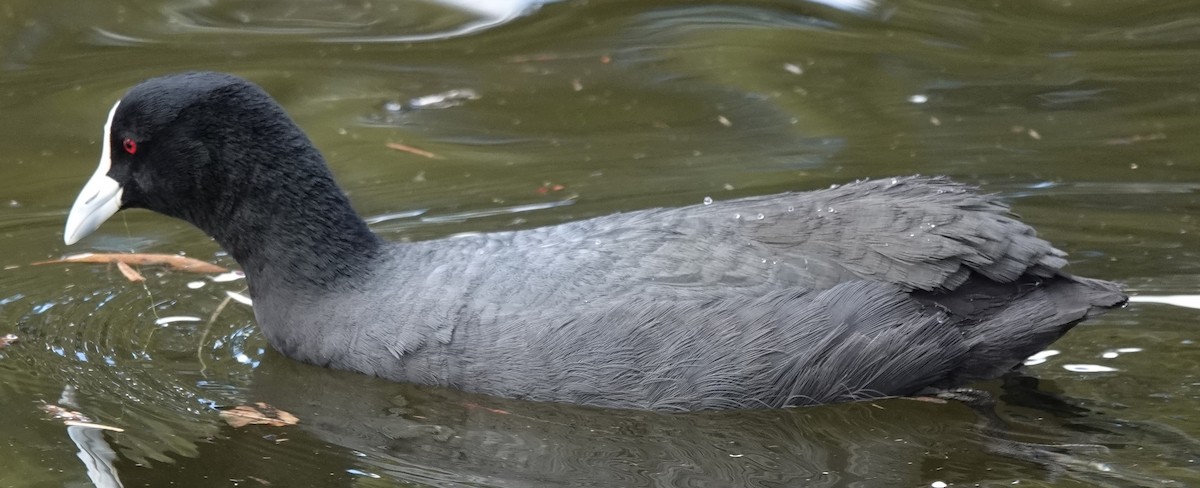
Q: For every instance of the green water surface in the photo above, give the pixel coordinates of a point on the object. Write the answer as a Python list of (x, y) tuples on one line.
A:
[(1082, 114)]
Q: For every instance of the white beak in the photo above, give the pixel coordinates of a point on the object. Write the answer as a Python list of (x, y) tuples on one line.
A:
[(100, 197)]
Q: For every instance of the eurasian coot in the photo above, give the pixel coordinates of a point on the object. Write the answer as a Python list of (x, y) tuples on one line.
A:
[(875, 288)]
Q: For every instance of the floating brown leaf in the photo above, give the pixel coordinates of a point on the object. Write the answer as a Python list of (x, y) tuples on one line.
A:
[(258, 414), (7, 340), (130, 273), (412, 150), (177, 263)]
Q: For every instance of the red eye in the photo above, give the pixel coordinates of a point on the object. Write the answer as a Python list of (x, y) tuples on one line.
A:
[(130, 146)]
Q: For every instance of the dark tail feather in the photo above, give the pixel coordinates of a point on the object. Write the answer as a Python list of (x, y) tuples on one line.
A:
[(1024, 327), (1101, 295)]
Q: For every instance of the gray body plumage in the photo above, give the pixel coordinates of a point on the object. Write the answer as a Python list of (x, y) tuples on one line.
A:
[(876, 288)]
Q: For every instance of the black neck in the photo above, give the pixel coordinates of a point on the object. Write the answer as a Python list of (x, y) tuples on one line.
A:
[(288, 224)]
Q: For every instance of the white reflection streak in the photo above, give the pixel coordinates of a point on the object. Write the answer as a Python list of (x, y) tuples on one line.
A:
[(496, 9), (94, 451), (487, 13), (96, 455), (1186, 301), (491, 14)]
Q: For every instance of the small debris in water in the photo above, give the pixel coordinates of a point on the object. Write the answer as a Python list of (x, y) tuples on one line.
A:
[(1034, 135), (938, 484), (130, 273), (176, 318), (918, 99), (195, 285), (489, 409), (258, 414), (708, 200), (412, 150), (724, 121), (794, 69), (576, 85), (548, 187)]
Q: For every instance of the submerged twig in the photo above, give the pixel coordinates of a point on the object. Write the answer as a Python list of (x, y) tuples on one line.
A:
[(177, 263), (207, 328), (130, 273)]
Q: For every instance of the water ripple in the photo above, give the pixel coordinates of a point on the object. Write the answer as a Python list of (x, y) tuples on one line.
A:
[(330, 22)]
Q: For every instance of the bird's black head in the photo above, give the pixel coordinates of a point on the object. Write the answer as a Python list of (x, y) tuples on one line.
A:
[(217, 151), (180, 145)]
